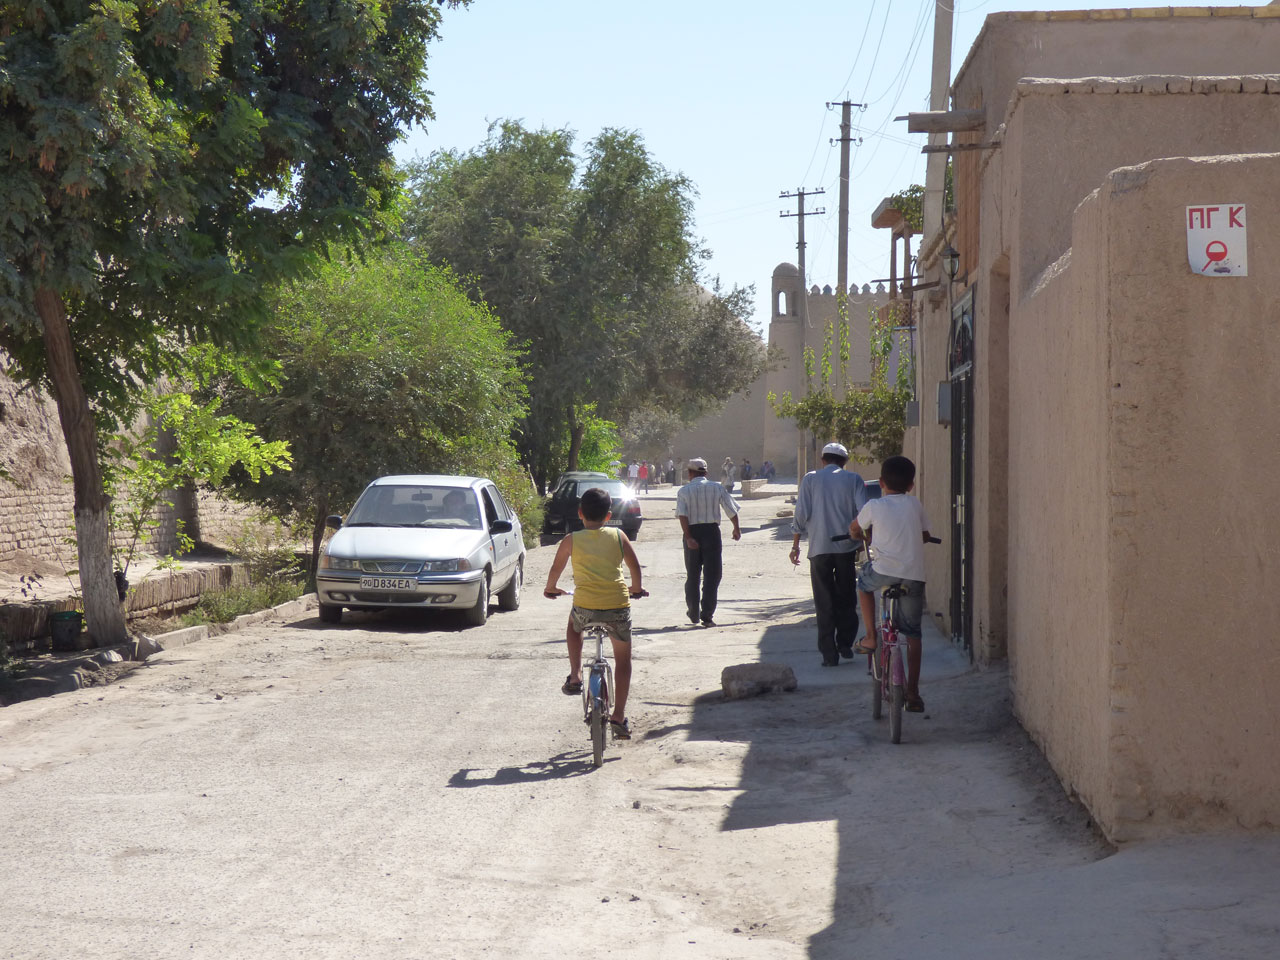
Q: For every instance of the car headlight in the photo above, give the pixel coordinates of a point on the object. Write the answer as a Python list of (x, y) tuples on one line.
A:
[(328, 562), (446, 566)]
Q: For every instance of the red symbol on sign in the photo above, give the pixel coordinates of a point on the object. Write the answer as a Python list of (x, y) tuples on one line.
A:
[(1215, 251)]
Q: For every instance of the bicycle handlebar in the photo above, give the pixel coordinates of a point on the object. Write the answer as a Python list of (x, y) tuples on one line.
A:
[(845, 536), (553, 594)]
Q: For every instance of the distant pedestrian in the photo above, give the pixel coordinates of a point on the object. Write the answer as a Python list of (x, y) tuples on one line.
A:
[(767, 471), (643, 476), (671, 470), (728, 473), (633, 474), (746, 469), (698, 506), (827, 502)]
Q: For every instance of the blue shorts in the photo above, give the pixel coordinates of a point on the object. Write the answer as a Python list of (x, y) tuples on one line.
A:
[(910, 604)]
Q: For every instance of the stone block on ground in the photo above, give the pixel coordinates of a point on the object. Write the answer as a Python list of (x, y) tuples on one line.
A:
[(753, 679), (143, 646)]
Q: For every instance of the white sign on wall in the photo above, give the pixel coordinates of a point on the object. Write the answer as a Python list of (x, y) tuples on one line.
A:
[(1217, 241)]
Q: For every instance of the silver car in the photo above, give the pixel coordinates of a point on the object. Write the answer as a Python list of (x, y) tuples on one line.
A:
[(423, 541)]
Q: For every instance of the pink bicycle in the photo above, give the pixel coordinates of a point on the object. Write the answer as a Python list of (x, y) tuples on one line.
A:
[(888, 665)]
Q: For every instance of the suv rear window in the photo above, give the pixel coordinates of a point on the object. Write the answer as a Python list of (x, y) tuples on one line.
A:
[(615, 488)]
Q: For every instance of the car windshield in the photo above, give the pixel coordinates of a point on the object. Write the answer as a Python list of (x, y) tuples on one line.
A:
[(615, 488), (416, 506)]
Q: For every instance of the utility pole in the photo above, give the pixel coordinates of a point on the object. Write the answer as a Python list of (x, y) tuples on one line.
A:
[(939, 97), (800, 214), (842, 252)]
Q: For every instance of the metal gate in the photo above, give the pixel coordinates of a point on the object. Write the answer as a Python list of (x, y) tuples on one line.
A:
[(960, 370)]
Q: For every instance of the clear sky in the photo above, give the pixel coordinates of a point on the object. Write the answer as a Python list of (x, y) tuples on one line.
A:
[(731, 93)]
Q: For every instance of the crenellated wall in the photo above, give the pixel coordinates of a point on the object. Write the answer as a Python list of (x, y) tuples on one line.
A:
[(747, 427)]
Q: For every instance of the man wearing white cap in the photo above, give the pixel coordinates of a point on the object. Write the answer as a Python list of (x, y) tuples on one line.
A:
[(698, 506), (828, 501)]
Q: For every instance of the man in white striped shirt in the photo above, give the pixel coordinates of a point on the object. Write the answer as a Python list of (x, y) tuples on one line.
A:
[(698, 506)]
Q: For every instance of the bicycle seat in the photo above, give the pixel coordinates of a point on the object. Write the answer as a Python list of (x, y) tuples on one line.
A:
[(894, 591)]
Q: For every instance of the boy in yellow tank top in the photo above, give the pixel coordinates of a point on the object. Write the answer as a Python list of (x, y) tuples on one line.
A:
[(600, 594)]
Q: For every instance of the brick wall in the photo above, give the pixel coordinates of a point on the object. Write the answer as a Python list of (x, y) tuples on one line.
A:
[(36, 505)]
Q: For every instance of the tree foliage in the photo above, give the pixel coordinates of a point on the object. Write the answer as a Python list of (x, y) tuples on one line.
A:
[(137, 141), (184, 443), (593, 267), (137, 144), (869, 419), (385, 367)]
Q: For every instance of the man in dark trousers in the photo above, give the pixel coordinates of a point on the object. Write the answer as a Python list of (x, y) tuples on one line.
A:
[(828, 501), (698, 506)]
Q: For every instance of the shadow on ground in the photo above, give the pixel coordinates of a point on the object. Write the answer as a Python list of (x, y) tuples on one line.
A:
[(966, 797)]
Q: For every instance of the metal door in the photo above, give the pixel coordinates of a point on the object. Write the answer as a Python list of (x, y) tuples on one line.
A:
[(961, 366)]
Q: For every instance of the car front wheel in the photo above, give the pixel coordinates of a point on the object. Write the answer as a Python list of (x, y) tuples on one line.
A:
[(509, 596), (478, 614), (330, 613)]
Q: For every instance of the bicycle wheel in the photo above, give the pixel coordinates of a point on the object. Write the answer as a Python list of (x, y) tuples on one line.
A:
[(598, 722), (897, 696)]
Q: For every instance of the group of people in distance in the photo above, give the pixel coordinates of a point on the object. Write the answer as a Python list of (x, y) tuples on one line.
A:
[(641, 473), (731, 473), (832, 511)]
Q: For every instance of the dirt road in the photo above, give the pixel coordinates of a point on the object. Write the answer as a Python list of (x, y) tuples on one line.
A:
[(403, 787)]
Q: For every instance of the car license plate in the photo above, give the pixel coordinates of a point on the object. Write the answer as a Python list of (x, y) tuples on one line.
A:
[(388, 583)]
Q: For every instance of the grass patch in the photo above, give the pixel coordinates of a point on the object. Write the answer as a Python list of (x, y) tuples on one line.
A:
[(9, 666), (225, 605)]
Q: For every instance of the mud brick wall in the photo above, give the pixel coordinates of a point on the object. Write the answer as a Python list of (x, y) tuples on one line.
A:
[(36, 503)]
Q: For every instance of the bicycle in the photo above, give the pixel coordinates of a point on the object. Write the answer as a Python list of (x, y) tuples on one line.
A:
[(597, 689), (887, 665)]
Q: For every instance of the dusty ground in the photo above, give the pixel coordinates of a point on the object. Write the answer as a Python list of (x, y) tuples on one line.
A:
[(403, 787)]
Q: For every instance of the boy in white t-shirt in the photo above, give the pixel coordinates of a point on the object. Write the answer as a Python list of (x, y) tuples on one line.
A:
[(898, 522)]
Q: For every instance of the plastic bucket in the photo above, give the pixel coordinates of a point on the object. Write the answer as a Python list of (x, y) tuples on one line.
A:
[(65, 628)]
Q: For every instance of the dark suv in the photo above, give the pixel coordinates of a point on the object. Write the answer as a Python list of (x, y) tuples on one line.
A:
[(562, 506)]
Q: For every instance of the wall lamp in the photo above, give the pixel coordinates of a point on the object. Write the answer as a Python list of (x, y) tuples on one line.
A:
[(951, 261)]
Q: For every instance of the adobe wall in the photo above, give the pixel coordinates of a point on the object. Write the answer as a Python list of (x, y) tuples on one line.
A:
[(36, 505), (1058, 141), (1200, 41), (1107, 123), (1058, 577), (1142, 604), (1195, 450)]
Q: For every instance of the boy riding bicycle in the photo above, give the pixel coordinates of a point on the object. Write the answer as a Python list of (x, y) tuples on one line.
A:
[(600, 595), (901, 530)]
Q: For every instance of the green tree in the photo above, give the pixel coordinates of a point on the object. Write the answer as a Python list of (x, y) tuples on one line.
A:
[(385, 367), (184, 443), (593, 267), (869, 419), (137, 142)]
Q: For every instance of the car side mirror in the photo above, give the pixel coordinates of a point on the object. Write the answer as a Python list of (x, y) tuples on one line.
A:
[(500, 526), (334, 521)]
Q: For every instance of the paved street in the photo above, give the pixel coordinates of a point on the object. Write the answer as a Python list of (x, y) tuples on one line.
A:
[(401, 787)]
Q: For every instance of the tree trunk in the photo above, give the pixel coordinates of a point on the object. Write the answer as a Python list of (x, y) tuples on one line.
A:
[(102, 609), (577, 431), (317, 537)]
